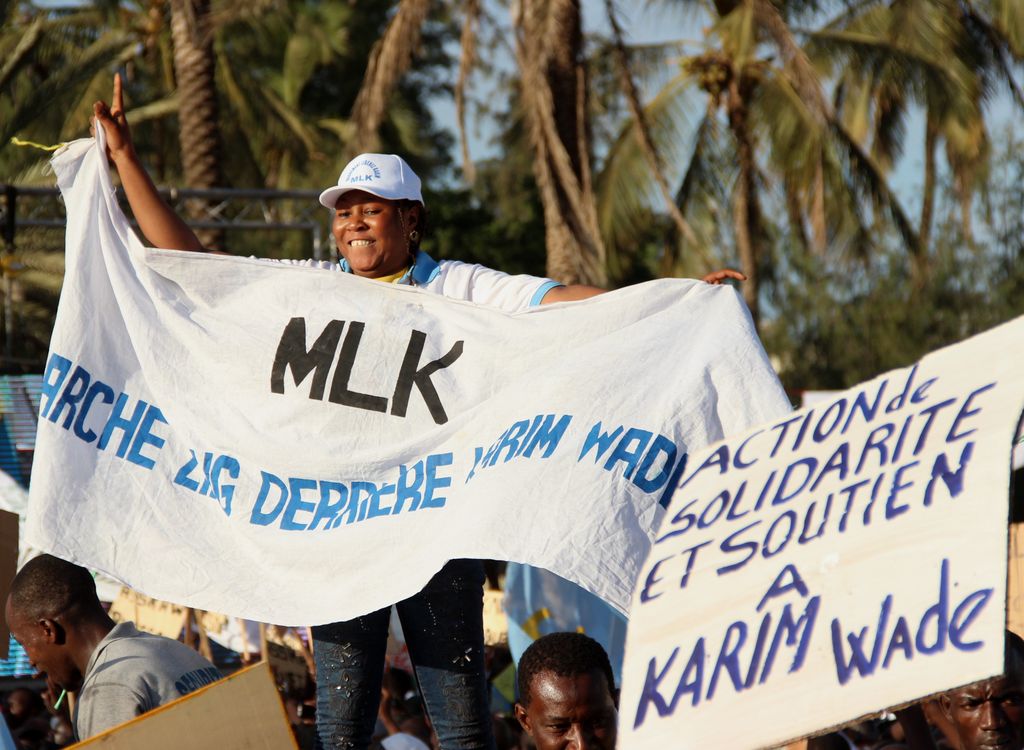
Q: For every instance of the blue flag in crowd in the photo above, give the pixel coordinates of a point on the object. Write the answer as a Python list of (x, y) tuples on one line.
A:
[(539, 602)]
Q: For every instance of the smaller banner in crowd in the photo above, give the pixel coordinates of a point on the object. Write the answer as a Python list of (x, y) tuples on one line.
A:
[(243, 710), (299, 446), (1015, 581), (495, 619), (289, 659), (848, 558)]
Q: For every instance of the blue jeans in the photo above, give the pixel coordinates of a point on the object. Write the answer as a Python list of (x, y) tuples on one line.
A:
[(443, 627)]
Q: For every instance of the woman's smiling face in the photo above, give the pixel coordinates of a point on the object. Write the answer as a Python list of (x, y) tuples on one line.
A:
[(372, 233)]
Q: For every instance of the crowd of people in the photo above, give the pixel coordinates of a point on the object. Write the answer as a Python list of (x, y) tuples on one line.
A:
[(32, 720), (566, 697)]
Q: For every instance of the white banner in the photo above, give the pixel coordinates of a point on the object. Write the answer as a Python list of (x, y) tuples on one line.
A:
[(292, 445), (846, 559)]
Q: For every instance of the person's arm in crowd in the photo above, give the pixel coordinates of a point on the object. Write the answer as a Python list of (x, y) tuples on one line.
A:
[(574, 292), (157, 220)]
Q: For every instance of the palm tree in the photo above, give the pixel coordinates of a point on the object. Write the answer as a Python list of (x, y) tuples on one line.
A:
[(266, 63), (548, 47), (767, 133), (51, 61), (389, 60), (948, 57)]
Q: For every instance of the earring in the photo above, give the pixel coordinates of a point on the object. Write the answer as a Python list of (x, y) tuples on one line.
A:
[(414, 236)]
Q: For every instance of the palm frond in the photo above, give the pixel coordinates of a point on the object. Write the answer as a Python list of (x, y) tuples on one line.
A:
[(997, 44), (866, 177), (53, 90), (890, 126), (625, 189), (797, 64), (20, 54), (642, 130)]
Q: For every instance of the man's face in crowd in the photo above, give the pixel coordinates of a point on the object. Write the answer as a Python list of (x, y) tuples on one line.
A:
[(45, 645), (570, 713), (988, 715)]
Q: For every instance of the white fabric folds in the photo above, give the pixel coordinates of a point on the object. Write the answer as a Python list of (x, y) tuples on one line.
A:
[(296, 446)]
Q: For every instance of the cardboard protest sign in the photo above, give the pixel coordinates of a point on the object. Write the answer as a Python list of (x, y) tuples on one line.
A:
[(254, 428), (1015, 581), (495, 619), (8, 567), (848, 558), (242, 710), (286, 654), (212, 622), (149, 615)]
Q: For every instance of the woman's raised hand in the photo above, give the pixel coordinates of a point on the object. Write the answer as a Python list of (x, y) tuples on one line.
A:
[(114, 124)]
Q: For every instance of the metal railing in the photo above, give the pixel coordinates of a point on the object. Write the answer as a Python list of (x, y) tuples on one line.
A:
[(42, 208), (222, 208)]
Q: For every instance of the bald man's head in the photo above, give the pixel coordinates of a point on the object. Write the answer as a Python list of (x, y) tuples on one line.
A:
[(50, 599), (48, 586)]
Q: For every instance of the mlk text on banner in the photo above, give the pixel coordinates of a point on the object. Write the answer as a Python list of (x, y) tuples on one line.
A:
[(849, 557), (214, 430)]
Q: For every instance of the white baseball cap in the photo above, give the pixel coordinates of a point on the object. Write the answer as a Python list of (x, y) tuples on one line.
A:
[(383, 175)]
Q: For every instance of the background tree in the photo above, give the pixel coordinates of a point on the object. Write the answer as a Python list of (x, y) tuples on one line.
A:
[(767, 143), (949, 57), (199, 126), (844, 325), (769, 135)]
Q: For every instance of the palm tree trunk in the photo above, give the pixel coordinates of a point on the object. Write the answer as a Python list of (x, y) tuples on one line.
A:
[(389, 60), (931, 138), (201, 153), (746, 209), (467, 59), (549, 44), (795, 213)]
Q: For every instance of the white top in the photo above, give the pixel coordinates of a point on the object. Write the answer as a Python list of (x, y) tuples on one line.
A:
[(466, 281)]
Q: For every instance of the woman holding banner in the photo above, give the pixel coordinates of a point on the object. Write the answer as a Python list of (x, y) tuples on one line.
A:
[(379, 223)]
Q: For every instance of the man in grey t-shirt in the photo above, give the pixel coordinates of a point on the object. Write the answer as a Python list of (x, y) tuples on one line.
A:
[(118, 672)]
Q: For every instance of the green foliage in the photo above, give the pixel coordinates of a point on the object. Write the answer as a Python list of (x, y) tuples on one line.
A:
[(289, 71), (836, 325)]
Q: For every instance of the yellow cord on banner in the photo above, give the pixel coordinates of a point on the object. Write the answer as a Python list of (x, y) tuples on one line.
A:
[(33, 144)]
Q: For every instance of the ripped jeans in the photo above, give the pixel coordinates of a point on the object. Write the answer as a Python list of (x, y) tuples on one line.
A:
[(443, 627)]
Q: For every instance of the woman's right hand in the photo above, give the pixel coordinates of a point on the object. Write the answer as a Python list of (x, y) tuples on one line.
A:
[(157, 220), (114, 124)]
